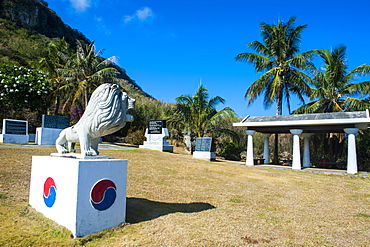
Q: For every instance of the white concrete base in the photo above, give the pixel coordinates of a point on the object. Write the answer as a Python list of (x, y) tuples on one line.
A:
[(85, 196), (157, 141), (78, 156), (47, 136), (204, 155), (162, 148), (14, 139)]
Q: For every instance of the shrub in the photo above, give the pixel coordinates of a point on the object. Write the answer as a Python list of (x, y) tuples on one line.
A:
[(135, 136)]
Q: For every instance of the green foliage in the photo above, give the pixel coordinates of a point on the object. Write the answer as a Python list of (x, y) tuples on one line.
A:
[(196, 116), (147, 109), (363, 150), (23, 88), (20, 46), (229, 150), (198, 113), (334, 89), (135, 136), (83, 73)]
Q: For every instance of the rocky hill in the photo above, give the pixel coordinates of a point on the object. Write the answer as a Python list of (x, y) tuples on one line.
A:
[(35, 15), (27, 25)]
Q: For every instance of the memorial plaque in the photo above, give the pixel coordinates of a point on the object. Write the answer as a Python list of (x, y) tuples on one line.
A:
[(55, 122), (15, 127), (155, 126), (204, 144)]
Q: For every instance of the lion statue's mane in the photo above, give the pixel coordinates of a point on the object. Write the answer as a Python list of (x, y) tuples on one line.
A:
[(105, 113)]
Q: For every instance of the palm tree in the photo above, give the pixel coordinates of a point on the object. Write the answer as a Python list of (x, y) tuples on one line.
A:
[(283, 68), (85, 72), (334, 88), (197, 115), (53, 62)]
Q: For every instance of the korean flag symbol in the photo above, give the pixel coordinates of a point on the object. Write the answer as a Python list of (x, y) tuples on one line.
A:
[(50, 192), (103, 194)]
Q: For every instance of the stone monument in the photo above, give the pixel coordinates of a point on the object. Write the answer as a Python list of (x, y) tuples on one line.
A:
[(50, 129), (156, 135), (85, 192), (14, 131), (205, 149)]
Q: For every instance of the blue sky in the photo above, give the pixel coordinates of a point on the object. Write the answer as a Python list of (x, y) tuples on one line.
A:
[(168, 47)]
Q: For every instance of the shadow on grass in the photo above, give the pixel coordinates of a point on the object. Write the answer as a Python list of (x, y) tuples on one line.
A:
[(139, 209)]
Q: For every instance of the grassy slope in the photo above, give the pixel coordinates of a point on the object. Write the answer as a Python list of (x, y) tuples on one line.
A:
[(174, 200)]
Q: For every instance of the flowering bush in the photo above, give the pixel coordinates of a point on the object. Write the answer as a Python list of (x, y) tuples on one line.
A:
[(21, 87)]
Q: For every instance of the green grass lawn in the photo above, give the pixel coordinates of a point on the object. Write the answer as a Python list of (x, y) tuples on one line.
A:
[(175, 200)]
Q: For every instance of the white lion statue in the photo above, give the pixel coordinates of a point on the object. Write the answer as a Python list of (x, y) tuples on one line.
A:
[(105, 113)]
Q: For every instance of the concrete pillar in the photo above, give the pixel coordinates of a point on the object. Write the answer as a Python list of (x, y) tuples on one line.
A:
[(306, 150), (351, 156), (266, 150), (296, 151), (250, 156)]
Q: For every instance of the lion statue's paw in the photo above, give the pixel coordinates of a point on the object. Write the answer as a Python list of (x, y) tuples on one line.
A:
[(62, 150), (90, 152)]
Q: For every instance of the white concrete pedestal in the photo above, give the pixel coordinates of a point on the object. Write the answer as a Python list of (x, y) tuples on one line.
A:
[(85, 196), (157, 141), (14, 139), (47, 136), (204, 155)]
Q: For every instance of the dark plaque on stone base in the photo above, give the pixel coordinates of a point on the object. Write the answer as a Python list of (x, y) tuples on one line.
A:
[(155, 126), (14, 127), (55, 122), (205, 144)]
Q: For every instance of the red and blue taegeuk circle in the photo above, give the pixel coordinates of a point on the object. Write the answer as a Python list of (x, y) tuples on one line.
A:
[(103, 194), (50, 192)]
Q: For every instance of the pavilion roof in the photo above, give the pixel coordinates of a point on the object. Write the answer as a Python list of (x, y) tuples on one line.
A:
[(333, 122)]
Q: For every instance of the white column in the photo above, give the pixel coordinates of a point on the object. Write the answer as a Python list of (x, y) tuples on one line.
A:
[(306, 150), (250, 156), (296, 152), (266, 150), (351, 156)]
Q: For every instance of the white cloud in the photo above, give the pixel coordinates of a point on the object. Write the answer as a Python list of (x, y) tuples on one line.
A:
[(143, 14), (80, 5), (127, 19)]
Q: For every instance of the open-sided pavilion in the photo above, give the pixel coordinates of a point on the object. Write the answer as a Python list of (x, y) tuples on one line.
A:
[(306, 124)]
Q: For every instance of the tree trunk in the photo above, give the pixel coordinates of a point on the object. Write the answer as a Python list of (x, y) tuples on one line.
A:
[(279, 112), (276, 151)]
